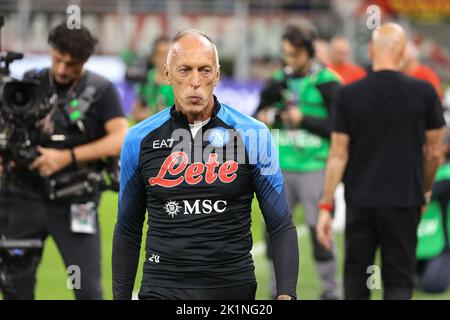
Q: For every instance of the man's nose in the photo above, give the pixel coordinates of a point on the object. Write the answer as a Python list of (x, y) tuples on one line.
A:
[(195, 79), (60, 68)]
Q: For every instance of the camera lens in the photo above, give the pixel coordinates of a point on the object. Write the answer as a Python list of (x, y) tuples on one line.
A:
[(19, 97)]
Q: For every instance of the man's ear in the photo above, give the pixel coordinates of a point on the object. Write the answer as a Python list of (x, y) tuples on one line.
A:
[(402, 58), (166, 74)]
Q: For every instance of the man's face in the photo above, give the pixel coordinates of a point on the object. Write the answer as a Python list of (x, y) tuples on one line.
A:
[(160, 54), (296, 58), (65, 68), (339, 51), (193, 72)]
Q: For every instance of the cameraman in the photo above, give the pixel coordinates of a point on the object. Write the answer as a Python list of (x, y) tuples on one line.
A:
[(84, 126), (298, 101)]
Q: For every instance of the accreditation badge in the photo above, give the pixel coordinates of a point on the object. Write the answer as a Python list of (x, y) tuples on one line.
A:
[(83, 218)]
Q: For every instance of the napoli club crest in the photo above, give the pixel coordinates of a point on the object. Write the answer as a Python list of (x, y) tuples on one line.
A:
[(219, 137)]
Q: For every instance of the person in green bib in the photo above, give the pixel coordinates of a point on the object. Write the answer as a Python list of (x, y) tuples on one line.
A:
[(298, 101), (154, 95), (433, 234)]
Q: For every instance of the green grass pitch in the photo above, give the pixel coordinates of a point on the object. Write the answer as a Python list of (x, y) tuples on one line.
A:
[(51, 278)]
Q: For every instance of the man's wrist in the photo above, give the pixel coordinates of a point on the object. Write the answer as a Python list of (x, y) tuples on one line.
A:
[(326, 205), (73, 157)]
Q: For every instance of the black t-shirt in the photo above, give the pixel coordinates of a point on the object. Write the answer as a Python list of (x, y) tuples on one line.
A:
[(105, 105), (386, 116)]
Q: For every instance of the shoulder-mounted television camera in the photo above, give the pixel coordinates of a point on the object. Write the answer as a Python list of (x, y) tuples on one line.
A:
[(21, 106)]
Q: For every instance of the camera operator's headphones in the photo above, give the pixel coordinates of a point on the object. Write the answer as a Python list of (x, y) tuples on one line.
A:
[(303, 37)]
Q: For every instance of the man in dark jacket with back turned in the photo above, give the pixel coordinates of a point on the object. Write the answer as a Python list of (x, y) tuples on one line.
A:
[(381, 126)]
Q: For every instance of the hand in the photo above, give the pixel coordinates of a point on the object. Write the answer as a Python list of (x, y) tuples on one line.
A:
[(292, 116), (284, 297), (51, 160), (324, 229), (263, 116)]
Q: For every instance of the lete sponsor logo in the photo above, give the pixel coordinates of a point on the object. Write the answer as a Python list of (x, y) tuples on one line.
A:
[(177, 163)]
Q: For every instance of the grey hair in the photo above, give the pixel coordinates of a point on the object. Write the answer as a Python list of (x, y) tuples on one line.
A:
[(190, 32)]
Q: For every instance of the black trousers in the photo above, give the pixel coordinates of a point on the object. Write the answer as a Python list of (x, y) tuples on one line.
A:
[(36, 219), (241, 292), (394, 231)]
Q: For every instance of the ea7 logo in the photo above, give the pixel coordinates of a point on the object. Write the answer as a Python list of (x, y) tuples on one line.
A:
[(157, 144)]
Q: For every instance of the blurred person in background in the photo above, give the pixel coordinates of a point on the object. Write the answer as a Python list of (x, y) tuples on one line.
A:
[(414, 68), (340, 62), (154, 94), (85, 125), (298, 101), (322, 49), (433, 245), (387, 134)]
